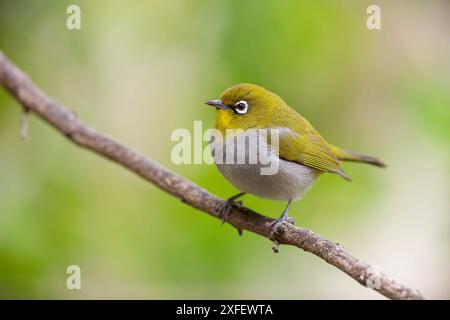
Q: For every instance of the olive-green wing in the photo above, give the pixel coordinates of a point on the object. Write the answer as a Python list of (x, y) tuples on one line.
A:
[(304, 145)]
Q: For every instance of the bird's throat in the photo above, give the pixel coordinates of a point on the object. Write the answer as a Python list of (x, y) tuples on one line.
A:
[(223, 119)]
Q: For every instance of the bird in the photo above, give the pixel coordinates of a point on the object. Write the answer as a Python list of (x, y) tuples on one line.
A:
[(302, 154)]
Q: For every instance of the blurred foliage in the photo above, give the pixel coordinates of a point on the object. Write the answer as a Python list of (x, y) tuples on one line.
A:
[(142, 69)]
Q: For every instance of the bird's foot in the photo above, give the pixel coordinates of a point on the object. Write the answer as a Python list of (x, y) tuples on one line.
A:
[(225, 208), (276, 226), (277, 229)]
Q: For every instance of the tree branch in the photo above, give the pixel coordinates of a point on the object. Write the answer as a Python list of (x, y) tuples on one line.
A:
[(64, 120)]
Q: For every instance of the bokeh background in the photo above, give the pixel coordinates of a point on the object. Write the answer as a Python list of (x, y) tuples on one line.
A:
[(140, 69)]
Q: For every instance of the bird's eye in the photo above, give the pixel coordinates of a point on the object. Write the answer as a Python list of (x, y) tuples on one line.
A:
[(241, 107)]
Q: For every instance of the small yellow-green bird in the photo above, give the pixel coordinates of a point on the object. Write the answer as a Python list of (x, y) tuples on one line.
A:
[(302, 152)]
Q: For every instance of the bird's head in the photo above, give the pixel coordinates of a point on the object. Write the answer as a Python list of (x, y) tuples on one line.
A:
[(247, 106)]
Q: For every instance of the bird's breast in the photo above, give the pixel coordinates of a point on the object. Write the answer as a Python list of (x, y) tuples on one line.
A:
[(269, 177)]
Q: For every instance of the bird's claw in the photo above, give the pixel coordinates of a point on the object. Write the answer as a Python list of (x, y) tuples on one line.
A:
[(277, 229), (276, 226), (225, 209)]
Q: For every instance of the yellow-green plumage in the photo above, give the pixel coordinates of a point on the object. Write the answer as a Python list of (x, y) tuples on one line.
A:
[(302, 152), (304, 145)]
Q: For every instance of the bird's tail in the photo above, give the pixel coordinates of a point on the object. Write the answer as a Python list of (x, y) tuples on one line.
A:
[(347, 155)]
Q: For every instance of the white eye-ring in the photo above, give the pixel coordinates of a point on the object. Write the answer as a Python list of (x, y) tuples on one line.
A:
[(241, 107)]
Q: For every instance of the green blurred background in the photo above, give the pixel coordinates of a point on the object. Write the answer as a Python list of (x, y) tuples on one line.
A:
[(140, 69)]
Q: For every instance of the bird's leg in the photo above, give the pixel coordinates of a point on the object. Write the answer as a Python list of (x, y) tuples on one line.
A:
[(279, 222), (226, 206), (284, 216)]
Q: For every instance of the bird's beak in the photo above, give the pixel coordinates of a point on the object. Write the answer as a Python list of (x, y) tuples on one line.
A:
[(217, 103)]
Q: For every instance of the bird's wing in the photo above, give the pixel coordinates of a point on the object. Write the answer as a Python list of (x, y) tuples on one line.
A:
[(305, 146)]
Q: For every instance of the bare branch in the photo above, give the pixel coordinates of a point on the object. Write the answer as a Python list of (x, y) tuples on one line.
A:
[(65, 121)]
